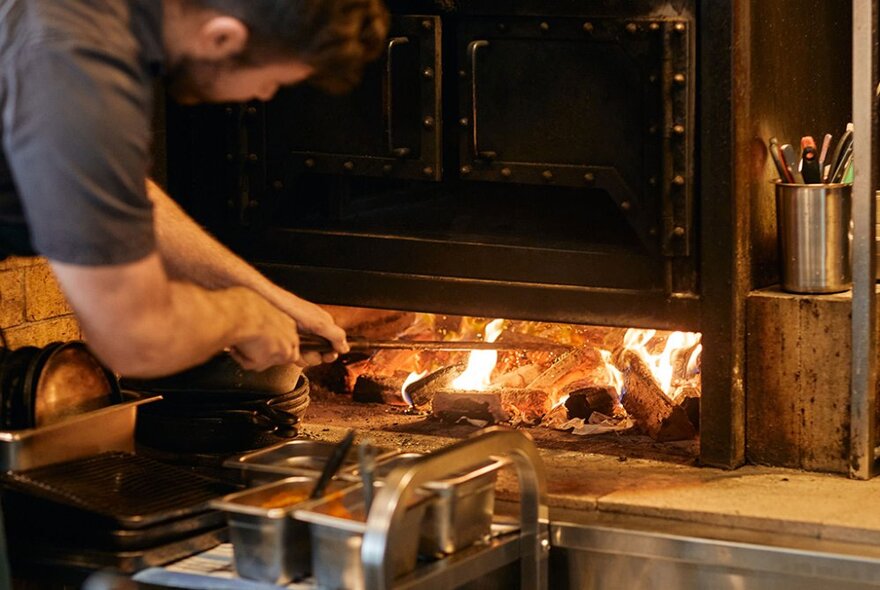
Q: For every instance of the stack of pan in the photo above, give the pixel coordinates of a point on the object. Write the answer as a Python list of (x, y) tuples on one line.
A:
[(115, 510)]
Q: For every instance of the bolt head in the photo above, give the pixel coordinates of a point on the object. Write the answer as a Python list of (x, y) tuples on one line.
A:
[(428, 122), (428, 73), (678, 129), (427, 25), (544, 26), (502, 28), (310, 163), (348, 166), (654, 26), (387, 169), (679, 79), (588, 27), (678, 231), (678, 180), (589, 178), (465, 170), (253, 157), (626, 205), (278, 185), (463, 122), (547, 175), (506, 172), (632, 28), (462, 73), (679, 27), (251, 111), (428, 171)]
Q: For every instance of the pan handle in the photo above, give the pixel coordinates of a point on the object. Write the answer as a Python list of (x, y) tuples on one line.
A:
[(400, 152), (284, 422), (472, 50)]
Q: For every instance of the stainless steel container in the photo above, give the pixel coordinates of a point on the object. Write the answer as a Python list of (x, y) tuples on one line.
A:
[(337, 527), (460, 512), (814, 236), (295, 457), (90, 433), (269, 544)]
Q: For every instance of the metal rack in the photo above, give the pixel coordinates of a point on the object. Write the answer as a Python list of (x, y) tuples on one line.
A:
[(531, 546)]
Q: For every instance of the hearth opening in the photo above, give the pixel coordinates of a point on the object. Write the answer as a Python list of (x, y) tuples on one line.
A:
[(631, 392)]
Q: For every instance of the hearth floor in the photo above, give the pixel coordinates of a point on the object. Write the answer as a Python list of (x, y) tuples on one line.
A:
[(774, 500)]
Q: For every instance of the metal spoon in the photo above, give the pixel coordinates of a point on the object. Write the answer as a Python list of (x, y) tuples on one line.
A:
[(367, 466)]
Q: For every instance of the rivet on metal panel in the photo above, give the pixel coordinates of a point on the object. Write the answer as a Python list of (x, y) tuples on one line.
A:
[(463, 122), (588, 27), (428, 171), (679, 79), (589, 178), (310, 162), (230, 203), (427, 25), (229, 110), (428, 122), (626, 205), (632, 28), (547, 175), (652, 181), (652, 129), (678, 180), (348, 166), (462, 73), (387, 169), (680, 27), (654, 26), (678, 231), (544, 26), (253, 204), (251, 111), (652, 231), (253, 157), (229, 157), (678, 129), (506, 172), (278, 185), (465, 170), (653, 78), (502, 28), (428, 73), (400, 152)]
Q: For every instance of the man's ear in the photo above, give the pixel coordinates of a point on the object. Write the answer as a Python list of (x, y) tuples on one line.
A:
[(221, 37)]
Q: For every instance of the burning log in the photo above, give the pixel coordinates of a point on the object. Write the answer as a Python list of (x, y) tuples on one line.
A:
[(476, 405), (655, 414), (422, 391), (581, 363), (379, 389), (584, 398), (689, 400)]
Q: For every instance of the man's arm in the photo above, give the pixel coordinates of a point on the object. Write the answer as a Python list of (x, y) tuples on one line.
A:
[(190, 254), (142, 324)]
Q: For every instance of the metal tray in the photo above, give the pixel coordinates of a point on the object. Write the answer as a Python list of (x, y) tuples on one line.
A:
[(269, 544), (90, 433), (336, 539), (295, 457)]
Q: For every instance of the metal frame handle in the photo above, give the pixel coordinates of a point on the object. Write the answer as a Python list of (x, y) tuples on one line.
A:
[(400, 152), (472, 50), (387, 513)]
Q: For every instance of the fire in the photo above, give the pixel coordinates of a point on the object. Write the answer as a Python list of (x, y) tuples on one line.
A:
[(481, 362), (412, 378), (669, 367)]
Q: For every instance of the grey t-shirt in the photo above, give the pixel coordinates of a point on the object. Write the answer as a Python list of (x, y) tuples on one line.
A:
[(76, 95)]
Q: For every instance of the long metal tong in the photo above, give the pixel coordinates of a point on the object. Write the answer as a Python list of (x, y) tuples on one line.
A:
[(312, 343)]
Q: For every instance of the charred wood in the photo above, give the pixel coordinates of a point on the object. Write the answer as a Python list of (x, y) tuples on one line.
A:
[(525, 405), (475, 405), (654, 413), (422, 391), (586, 398), (689, 399), (379, 389)]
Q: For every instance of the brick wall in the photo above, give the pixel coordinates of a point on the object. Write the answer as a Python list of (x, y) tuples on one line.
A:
[(32, 309)]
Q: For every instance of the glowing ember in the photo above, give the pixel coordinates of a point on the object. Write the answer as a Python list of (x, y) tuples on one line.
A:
[(481, 362), (412, 378)]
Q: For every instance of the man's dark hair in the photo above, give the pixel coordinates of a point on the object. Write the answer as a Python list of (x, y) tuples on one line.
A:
[(335, 37)]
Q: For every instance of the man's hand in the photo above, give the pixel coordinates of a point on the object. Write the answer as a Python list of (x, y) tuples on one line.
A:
[(311, 319)]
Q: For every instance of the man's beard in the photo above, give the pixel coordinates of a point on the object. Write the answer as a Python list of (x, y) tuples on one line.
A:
[(192, 81)]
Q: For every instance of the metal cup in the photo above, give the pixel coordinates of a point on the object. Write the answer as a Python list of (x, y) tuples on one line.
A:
[(814, 236)]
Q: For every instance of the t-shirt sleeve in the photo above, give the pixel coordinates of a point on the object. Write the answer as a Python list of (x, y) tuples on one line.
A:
[(76, 132)]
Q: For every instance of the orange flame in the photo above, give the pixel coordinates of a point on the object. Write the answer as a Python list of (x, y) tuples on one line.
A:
[(481, 362), (662, 365), (412, 378)]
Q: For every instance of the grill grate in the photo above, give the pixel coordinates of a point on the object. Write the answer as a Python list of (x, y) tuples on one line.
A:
[(132, 490)]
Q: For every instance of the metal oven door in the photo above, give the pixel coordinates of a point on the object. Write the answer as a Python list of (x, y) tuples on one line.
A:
[(602, 103), (388, 126)]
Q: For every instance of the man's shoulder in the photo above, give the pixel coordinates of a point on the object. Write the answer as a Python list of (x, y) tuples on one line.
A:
[(102, 26)]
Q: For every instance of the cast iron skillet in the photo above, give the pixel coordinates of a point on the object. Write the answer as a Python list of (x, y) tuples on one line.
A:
[(223, 376)]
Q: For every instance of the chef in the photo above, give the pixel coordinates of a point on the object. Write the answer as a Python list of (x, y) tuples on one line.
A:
[(153, 292)]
